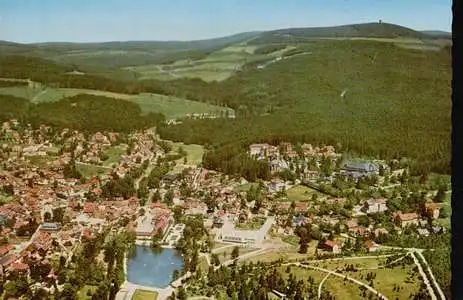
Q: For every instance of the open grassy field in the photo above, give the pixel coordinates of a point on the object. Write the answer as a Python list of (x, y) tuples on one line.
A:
[(225, 254), (217, 66), (114, 154), (91, 170), (286, 253), (386, 278), (171, 107), (302, 193), (144, 295), (194, 153), (342, 290), (46, 94), (358, 263)]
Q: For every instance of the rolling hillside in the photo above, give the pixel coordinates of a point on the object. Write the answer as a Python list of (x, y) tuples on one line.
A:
[(397, 102), (287, 84), (120, 54)]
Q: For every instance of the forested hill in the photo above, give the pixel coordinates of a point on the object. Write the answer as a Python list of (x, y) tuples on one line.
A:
[(396, 102), (86, 113), (119, 54), (395, 94), (366, 30)]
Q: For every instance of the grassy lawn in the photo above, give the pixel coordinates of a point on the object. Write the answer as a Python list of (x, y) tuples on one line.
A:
[(359, 263), (20, 91), (82, 293), (144, 295), (283, 254), (291, 239), (385, 278), (303, 273), (194, 153), (171, 107), (54, 94), (114, 155), (91, 170), (301, 193), (225, 254), (342, 290), (217, 66)]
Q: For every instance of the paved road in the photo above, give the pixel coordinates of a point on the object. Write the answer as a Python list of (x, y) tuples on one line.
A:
[(265, 248), (38, 95), (350, 258), (221, 248), (436, 284), (146, 173), (341, 276), (425, 278), (321, 285)]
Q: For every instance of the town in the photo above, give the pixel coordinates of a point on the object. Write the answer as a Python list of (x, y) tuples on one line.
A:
[(75, 205)]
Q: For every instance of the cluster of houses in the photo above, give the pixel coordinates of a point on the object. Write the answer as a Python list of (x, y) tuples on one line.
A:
[(35, 192), (32, 192)]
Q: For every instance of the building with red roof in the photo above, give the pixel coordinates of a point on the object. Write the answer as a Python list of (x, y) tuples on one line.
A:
[(332, 246)]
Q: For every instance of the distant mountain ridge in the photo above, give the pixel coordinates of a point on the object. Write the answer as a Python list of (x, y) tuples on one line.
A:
[(364, 30), (118, 54), (161, 45), (377, 29)]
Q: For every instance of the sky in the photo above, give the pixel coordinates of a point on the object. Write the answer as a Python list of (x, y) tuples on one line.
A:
[(29, 21)]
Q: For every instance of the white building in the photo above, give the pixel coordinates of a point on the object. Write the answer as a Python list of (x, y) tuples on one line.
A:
[(228, 233)]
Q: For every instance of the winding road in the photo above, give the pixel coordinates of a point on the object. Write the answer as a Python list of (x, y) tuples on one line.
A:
[(321, 285), (330, 272)]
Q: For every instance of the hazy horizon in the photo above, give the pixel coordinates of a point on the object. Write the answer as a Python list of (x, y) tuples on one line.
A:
[(120, 20)]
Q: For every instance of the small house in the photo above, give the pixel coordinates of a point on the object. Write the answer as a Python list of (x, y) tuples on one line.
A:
[(332, 246), (371, 246), (380, 231), (407, 219), (375, 206), (432, 210)]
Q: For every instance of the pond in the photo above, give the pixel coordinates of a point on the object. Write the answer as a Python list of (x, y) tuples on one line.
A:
[(153, 267)]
